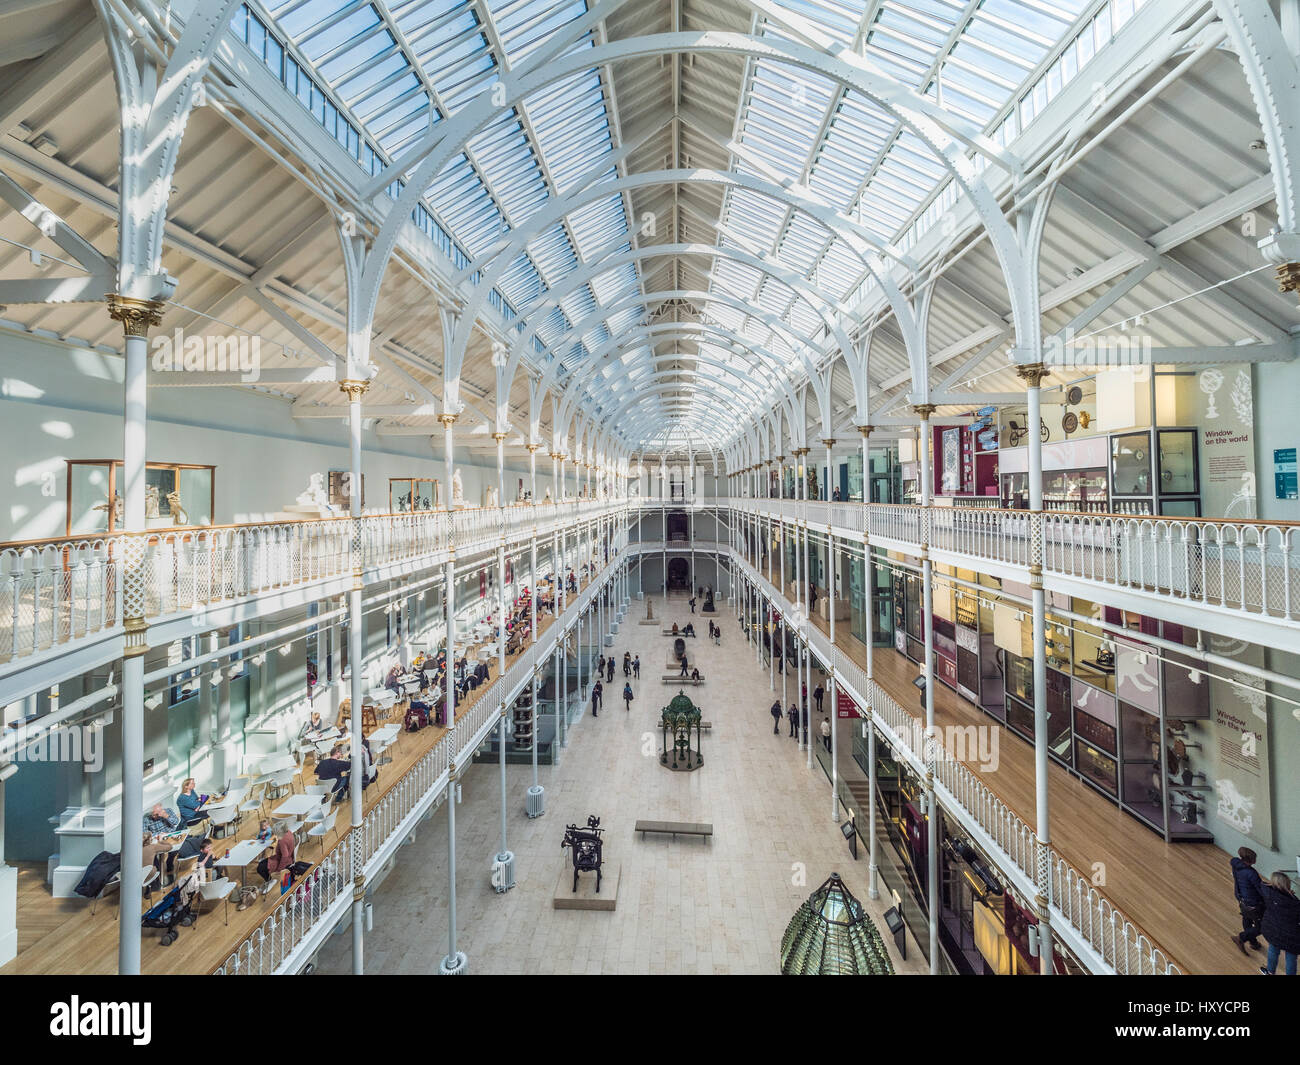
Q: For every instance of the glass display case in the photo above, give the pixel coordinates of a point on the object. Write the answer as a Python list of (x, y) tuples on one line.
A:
[(1141, 789), (176, 495), (1077, 490), (406, 495), (1163, 480)]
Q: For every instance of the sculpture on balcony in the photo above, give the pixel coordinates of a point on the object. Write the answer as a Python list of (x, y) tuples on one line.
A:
[(587, 848), (457, 490), (315, 496)]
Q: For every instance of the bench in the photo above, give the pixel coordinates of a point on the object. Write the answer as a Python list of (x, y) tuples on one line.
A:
[(679, 632), (674, 828), (670, 678)]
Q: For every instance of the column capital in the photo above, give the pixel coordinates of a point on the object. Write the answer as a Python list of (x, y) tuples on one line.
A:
[(780, 458), (1032, 374), (799, 452), (557, 455), (136, 315), (829, 442), (353, 388), (532, 448), (499, 436), (923, 410), (1288, 277), (865, 430), (448, 419)]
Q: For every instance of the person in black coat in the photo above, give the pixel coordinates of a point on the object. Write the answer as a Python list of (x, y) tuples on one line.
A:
[(1248, 888), (1281, 924), (793, 716), (596, 692), (776, 718)]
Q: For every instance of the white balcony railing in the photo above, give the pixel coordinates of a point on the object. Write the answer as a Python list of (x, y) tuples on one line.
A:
[(52, 594), (1096, 923), (315, 902), (1243, 567)]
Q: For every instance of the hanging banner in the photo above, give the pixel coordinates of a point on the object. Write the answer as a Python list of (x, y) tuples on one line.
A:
[(1238, 748), (845, 706), (1226, 418)]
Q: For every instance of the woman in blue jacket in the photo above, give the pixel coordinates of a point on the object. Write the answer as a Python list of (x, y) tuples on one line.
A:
[(190, 804)]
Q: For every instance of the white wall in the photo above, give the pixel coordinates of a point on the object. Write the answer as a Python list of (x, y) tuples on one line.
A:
[(59, 402)]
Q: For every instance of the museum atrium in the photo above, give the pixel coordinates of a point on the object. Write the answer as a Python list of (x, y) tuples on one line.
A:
[(380, 374)]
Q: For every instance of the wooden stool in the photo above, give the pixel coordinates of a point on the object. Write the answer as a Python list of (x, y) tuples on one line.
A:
[(368, 717)]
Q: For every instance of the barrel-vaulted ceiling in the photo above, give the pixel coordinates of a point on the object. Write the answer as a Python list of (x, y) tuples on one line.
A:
[(689, 212)]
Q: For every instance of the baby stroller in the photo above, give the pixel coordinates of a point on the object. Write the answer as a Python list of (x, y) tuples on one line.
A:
[(174, 910)]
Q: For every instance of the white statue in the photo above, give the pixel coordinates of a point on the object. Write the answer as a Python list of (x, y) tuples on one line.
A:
[(151, 501), (180, 516), (315, 496), (457, 489)]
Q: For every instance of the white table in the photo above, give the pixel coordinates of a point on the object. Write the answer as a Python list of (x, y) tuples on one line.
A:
[(243, 854), (381, 739), (299, 805), (273, 763)]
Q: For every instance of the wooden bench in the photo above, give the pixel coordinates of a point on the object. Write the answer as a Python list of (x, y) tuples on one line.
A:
[(679, 632), (669, 678), (674, 828)]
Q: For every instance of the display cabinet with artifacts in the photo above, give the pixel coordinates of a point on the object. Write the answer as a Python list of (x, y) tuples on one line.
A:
[(1160, 480), (177, 495), (406, 495)]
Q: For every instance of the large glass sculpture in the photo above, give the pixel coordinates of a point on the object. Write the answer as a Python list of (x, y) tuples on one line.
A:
[(831, 935)]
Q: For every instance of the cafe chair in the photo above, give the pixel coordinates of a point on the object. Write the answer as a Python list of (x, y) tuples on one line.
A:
[(112, 884), (218, 890), (323, 829)]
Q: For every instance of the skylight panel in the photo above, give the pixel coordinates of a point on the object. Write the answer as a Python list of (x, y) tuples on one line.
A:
[(552, 255), (459, 196), (519, 282), (524, 26)]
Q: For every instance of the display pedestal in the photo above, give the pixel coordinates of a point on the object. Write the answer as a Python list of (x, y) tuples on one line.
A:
[(586, 897), (841, 607)]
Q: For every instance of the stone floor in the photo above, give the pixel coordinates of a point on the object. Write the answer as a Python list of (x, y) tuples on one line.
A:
[(684, 906)]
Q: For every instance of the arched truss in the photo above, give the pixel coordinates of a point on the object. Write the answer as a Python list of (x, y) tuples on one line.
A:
[(853, 235), (825, 307), (778, 381), (949, 143), (743, 346)]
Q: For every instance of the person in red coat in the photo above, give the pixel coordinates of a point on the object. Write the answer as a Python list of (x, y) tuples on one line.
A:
[(280, 859)]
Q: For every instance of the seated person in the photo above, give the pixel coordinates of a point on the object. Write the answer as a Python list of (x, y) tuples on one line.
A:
[(689, 630), (154, 849), (203, 848), (280, 859), (337, 769), (674, 628), (695, 673), (263, 831), (160, 821), (313, 726), (190, 803), (368, 770)]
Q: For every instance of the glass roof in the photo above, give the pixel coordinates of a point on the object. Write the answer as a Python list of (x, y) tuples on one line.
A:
[(380, 75)]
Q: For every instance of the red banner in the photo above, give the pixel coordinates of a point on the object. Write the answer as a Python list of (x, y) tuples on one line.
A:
[(845, 707)]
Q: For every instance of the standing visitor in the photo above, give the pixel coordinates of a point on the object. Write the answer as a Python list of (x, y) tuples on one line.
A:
[(636, 667), (793, 715), (692, 604), (817, 697), (595, 699), (627, 696), (1281, 924), (1248, 888), (826, 733), (776, 718)]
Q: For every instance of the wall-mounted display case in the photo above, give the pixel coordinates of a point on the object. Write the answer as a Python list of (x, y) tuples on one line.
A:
[(407, 495), (177, 494)]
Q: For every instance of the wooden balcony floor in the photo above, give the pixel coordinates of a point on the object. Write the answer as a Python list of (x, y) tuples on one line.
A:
[(1179, 893), (61, 936)]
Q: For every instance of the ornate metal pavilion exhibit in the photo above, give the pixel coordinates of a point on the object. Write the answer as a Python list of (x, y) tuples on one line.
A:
[(678, 718)]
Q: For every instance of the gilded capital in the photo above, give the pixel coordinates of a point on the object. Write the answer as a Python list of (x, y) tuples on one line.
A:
[(830, 442), (353, 389), (499, 436), (1032, 374), (923, 410), (448, 419), (136, 315), (865, 430), (1288, 277)]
